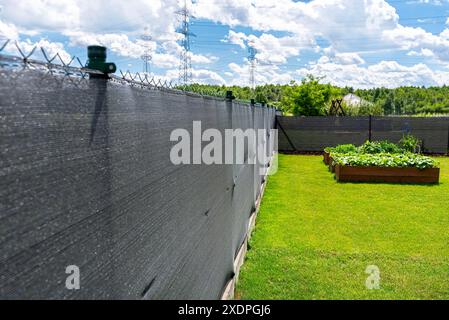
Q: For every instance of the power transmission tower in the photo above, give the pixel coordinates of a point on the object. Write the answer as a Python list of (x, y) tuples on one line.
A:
[(147, 57), (252, 65), (185, 67)]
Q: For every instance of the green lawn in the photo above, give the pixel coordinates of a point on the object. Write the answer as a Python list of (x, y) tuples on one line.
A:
[(315, 237)]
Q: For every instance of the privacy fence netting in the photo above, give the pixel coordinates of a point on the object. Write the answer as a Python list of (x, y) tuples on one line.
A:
[(313, 134), (86, 180)]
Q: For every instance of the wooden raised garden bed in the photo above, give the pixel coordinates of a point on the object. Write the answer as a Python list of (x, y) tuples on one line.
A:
[(331, 165), (379, 174), (326, 156)]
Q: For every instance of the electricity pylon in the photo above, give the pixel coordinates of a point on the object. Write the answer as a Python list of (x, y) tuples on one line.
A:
[(185, 66), (147, 57)]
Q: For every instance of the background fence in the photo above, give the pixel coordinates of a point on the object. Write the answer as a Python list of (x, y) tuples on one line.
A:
[(313, 134), (86, 180)]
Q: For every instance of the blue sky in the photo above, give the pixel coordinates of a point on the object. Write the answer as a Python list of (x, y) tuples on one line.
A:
[(359, 43)]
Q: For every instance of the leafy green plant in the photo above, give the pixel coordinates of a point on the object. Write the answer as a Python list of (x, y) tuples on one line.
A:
[(376, 147), (386, 160), (368, 147), (410, 143), (389, 147), (343, 148)]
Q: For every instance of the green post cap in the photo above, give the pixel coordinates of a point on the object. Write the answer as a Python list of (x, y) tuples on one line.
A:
[(96, 53), (97, 61)]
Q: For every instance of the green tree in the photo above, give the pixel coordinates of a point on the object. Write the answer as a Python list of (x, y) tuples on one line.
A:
[(311, 98), (389, 104)]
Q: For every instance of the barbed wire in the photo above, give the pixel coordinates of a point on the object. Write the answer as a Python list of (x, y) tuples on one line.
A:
[(78, 74), (143, 80), (56, 65)]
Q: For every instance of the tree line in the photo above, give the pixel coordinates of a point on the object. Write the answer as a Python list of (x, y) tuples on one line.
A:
[(313, 97)]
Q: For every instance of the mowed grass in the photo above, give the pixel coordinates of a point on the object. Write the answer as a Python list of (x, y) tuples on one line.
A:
[(315, 237)]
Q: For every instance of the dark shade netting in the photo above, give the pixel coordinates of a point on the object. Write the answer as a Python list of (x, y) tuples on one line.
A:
[(304, 134), (316, 133), (86, 180), (433, 132)]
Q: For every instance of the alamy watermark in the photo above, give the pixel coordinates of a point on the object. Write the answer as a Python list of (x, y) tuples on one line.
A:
[(373, 280), (73, 281), (229, 146)]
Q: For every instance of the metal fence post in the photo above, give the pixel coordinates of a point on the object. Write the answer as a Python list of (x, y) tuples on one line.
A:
[(229, 96), (229, 99), (370, 134), (447, 150)]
